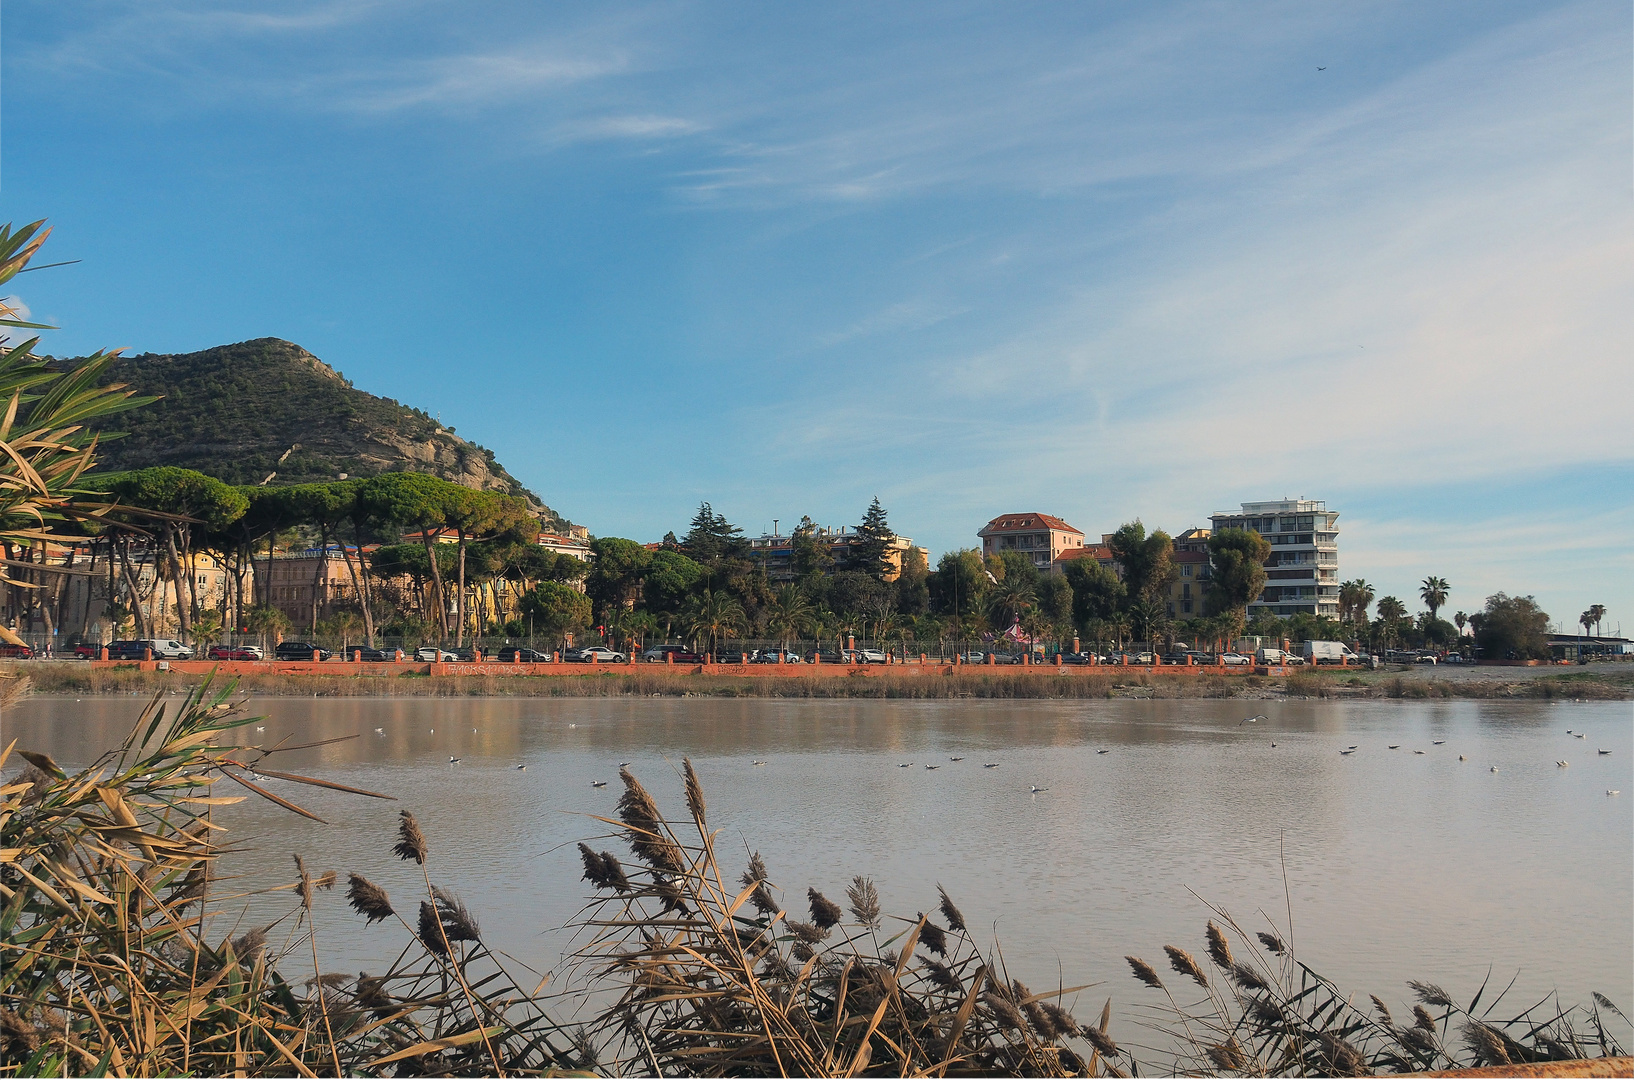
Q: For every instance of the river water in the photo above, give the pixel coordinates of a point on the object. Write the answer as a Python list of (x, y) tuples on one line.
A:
[(1398, 865)]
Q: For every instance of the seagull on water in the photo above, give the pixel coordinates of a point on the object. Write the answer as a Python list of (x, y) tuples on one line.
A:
[(955, 759), (1562, 764), (1494, 768), (1569, 731), (1614, 791), (624, 764), (453, 761), (1346, 753), (1440, 742), (1418, 751), (1579, 735), (760, 763), (905, 765), (991, 765), (523, 768), (1037, 789), (1604, 753), (1355, 746), (1395, 746), (1103, 751), (1461, 757), (379, 731), (933, 766), (1252, 719), (260, 729), (598, 783), (1273, 746)]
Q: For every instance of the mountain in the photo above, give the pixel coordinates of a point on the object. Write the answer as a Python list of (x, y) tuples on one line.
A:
[(268, 407)]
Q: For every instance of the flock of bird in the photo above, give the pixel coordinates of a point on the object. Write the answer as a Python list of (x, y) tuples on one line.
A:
[(1347, 751)]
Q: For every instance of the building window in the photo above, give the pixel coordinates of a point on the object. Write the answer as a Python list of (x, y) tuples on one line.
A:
[(1187, 606)]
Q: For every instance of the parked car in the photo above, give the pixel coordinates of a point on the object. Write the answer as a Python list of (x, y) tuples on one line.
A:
[(975, 656), (516, 654), (733, 656), (1077, 658), (672, 654), (778, 656), (235, 652), (1453, 658), (299, 650), (597, 654), (1232, 659), (87, 650), (430, 654), (1271, 656), (127, 650), (862, 656), (8, 651), (370, 656)]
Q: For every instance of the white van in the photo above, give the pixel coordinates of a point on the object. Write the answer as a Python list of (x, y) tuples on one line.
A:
[(1270, 656), (168, 649)]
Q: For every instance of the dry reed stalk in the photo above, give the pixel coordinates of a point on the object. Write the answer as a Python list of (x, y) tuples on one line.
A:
[(931, 936), (1383, 1010), (1247, 978), (1423, 1019), (1430, 993), (1228, 1056), (1271, 942), (1487, 1044)]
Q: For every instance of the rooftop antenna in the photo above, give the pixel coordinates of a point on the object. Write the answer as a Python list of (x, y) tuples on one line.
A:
[(774, 528)]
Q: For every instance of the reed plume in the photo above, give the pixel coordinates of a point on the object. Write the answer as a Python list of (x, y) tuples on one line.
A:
[(1144, 972), (755, 876), (695, 792), (1228, 1056), (328, 880), (1102, 1042), (1339, 1058), (930, 935), (1219, 949), (1271, 942), (824, 912), (1423, 1019), (1486, 1043), (955, 920), (603, 871), (941, 975), (367, 898), (1062, 1023), (411, 843), (646, 827), (1246, 977), (1383, 1009), (1430, 993), (864, 900), (806, 932), (303, 887), (444, 920), (1003, 1012), (1182, 962)]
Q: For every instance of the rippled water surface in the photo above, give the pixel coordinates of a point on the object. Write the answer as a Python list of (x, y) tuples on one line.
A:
[(1398, 864)]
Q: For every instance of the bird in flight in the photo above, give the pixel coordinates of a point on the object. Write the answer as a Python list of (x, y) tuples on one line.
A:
[(1321, 69), (1252, 719), (1037, 789)]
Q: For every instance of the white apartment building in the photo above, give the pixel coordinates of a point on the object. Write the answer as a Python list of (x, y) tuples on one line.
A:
[(1302, 572)]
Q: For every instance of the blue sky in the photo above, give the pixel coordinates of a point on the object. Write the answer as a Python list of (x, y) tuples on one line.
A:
[(1102, 261)]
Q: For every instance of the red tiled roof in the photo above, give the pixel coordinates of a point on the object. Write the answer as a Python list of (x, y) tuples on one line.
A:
[(1098, 552), (1026, 522), (1191, 556)]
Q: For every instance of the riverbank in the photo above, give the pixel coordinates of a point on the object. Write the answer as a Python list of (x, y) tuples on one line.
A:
[(1594, 683)]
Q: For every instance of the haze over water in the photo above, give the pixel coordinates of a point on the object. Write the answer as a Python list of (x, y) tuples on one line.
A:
[(1399, 866)]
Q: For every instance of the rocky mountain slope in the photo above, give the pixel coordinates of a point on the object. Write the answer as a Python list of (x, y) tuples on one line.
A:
[(268, 407)]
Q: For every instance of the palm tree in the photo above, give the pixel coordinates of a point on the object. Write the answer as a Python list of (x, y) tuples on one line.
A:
[(789, 614), (1599, 612), (1460, 620), (714, 616), (1147, 617), (1587, 619), (1354, 596), (267, 621), (1434, 593), (1012, 597)]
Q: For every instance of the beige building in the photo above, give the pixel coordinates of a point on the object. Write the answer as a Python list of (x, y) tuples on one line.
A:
[(1042, 538), (776, 552)]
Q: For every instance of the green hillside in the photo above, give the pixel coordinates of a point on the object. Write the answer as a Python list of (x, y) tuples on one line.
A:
[(268, 407)]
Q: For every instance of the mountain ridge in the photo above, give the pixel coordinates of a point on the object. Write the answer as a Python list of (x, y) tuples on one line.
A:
[(267, 410)]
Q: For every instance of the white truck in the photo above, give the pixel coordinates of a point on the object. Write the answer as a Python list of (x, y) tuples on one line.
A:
[(1329, 652)]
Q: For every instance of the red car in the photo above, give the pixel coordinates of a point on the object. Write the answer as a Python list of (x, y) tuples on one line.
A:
[(235, 652), (87, 652), (8, 651)]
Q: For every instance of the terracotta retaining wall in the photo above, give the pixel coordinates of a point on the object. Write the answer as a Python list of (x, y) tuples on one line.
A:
[(357, 669)]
